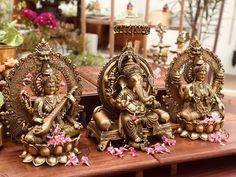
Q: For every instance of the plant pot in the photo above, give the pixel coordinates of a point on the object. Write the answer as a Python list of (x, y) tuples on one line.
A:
[(7, 52)]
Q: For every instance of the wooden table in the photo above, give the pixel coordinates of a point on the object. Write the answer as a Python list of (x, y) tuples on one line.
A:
[(102, 164)]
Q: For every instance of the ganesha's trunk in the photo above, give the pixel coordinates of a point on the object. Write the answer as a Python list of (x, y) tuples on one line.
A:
[(140, 92)]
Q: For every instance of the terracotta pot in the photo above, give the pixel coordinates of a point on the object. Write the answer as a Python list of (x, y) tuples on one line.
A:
[(7, 52)]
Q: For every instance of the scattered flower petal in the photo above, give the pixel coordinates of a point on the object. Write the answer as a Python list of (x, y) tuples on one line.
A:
[(218, 138), (118, 152), (84, 160), (157, 73), (110, 150), (168, 141), (72, 160), (150, 150), (160, 148)]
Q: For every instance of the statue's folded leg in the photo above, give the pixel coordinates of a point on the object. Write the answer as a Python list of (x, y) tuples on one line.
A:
[(190, 114), (129, 127), (32, 139)]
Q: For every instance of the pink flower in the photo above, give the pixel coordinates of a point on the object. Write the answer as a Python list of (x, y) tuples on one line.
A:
[(46, 19), (28, 13), (218, 138), (215, 118), (205, 121), (168, 141), (119, 152), (67, 139), (134, 117), (110, 150), (72, 160), (160, 148), (57, 131), (132, 151), (123, 148), (84, 160), (149, 150), (157, 73), (57, 138)]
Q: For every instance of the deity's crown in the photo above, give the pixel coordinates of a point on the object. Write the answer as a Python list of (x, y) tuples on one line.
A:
[(195, 47), (43, 48)]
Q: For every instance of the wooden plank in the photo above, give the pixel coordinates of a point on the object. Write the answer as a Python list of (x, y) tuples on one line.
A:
[(90, 73), (181, 17), (83, 25), (111, 33)]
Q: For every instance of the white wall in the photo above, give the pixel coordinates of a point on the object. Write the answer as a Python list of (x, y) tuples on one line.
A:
[(224, 48)]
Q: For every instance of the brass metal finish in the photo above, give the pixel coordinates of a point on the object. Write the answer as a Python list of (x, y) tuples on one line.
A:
[(190, 103), (36, 105), (160, 56), (132, 29), (129, 108)]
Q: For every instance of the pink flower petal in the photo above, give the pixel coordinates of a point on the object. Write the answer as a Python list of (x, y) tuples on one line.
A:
[(118, 152), (132, 151), (72, 160), (110, 150), (149, 150), (157, 73), (84, 160), (168, 141)]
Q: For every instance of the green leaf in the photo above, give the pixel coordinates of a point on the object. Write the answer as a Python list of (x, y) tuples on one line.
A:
[(10, 35)]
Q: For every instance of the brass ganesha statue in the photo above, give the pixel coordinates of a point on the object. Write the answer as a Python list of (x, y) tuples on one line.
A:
[(42, 98), (129, 108), (192, 101)]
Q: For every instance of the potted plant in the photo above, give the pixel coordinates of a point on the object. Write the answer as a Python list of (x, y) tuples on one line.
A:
[(10, 38), (9, 35)]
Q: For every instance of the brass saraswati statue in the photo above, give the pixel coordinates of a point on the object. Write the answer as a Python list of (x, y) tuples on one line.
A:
[(42, 98), (191, 100), (129, 108)]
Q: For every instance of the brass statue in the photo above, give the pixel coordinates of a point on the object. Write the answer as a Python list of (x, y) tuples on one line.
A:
[(196, 105), (45, 118), (129, 108), (160, 56)]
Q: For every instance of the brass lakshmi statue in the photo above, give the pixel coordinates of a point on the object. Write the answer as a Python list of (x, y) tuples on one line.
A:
[(129, 108), (45, 118), (195, 104)]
